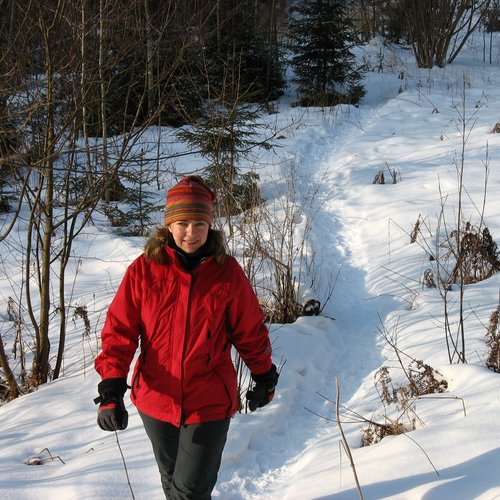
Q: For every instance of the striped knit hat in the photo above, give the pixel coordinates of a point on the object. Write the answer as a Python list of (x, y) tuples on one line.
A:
[(191, 199)]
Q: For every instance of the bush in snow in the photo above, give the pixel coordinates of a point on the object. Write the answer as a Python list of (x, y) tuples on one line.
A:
[(493, 341), (422, 379)]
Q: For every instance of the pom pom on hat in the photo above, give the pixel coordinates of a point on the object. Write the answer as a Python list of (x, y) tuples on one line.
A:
[(191, 199)]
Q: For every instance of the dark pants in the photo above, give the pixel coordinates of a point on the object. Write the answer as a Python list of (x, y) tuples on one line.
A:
[(188, 457)]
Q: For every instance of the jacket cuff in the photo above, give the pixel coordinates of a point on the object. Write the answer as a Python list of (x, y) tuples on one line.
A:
[(261, 368)]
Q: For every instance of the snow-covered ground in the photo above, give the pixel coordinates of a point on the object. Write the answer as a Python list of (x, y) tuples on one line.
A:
[(412, 122)]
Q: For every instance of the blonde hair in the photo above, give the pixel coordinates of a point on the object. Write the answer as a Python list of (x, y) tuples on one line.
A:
[(154, 249)]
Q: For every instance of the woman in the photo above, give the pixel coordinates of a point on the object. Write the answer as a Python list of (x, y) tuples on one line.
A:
[(186, 303)]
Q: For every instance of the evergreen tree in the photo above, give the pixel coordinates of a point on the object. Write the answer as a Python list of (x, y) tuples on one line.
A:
[(133, 214), (322, 36), (224, 135), (6, 195), (237, 49), (9, 144)]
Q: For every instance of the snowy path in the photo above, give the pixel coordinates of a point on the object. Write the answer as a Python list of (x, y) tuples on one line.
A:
[(269, 449)]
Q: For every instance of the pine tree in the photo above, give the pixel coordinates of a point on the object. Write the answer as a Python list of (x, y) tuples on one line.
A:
[(133, 213), (238, 50), (224, 135), (322, 36), (9, 144)]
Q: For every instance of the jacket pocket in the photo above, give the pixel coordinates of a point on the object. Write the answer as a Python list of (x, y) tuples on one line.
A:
[(217, 337), (227, 375)]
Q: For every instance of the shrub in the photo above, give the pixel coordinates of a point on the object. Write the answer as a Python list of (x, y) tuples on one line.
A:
[(493, 341), (375, 432), (476, 256), (429, 281), (422, 380), (380, 177)]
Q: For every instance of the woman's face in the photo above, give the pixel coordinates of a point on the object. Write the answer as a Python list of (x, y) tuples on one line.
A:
[(189, 235)]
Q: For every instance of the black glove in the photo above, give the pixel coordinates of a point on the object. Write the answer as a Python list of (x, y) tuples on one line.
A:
[(263, 390), (112, 415)]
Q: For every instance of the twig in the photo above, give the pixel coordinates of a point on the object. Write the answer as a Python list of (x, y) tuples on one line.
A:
[(39, 460), (125, 466), (427, 396), (344, 440), (423, 451)]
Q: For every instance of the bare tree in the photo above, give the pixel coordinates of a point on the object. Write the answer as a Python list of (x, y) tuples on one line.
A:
[(438, 29), (60, 177)]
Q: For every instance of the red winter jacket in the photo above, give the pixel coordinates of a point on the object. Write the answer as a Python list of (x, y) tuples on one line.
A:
[(186, 323)]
